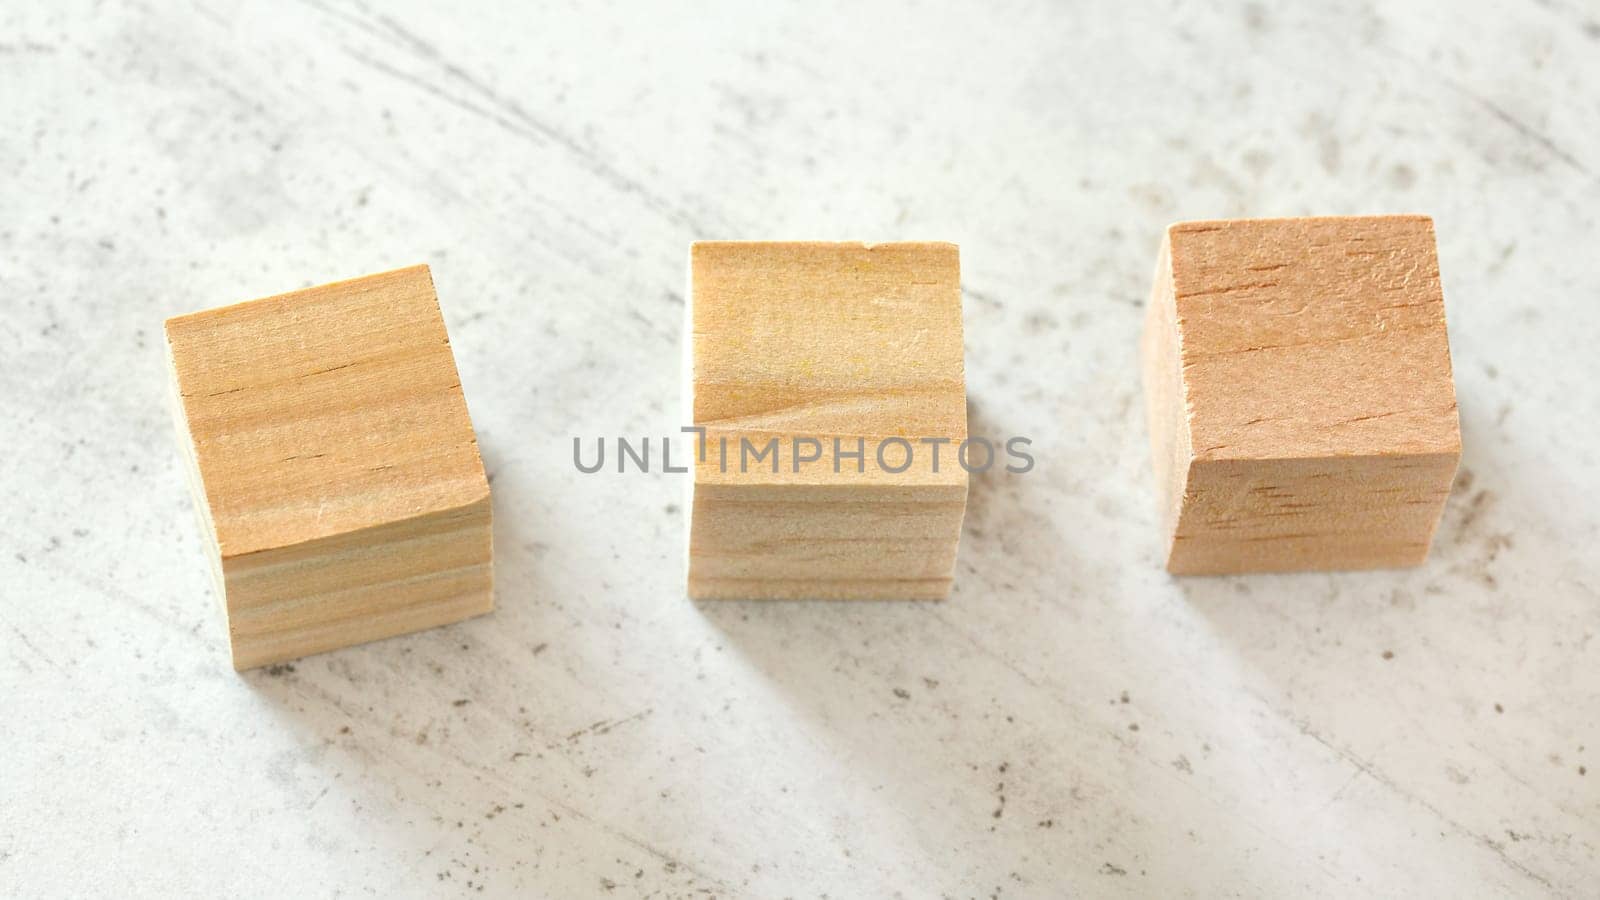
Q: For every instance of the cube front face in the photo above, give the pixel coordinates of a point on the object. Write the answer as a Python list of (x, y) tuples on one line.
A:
[(1359, 512), (335, 465), (831, 350), (1301, 405)]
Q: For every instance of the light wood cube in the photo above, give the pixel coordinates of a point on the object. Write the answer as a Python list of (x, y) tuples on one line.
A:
[(821, 342), (334, 466), (1301, 408)]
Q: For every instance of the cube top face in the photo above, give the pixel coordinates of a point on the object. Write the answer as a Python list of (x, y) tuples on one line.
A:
[(1314, 337), (325, 411), (825, 340)]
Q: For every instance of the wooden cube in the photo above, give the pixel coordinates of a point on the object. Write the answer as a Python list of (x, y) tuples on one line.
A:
[(858, 344), (334, 465), (1301, 408)]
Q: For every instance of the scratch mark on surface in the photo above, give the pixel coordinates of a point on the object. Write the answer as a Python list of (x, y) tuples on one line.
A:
[(508, 114), (1365, 768)]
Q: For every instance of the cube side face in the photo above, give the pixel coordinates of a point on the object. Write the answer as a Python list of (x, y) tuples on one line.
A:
[(1165, 410), (197, 492), (335, 465), (1313, 337), (838, 358), (324, 411), (1289, 515)]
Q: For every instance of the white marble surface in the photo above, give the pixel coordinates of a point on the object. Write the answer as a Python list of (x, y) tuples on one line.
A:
[(1071, 721)]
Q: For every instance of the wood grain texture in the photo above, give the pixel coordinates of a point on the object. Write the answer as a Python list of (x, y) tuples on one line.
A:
[(848, 342), (1301, 406), (335, 466)]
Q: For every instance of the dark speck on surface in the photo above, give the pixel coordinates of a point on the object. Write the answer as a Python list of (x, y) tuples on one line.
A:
[(278, 670), (1388, 654), (902, 693)]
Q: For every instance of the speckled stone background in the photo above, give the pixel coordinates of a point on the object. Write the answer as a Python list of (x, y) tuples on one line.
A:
[(1071, 721)]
